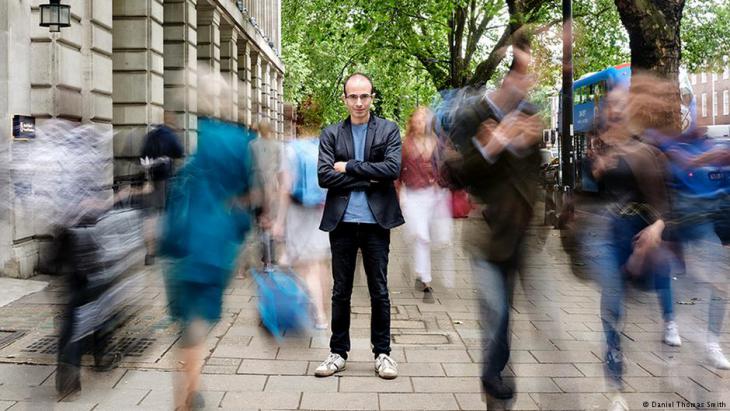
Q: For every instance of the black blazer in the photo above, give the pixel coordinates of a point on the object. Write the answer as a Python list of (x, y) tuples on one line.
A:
[(375, 175)]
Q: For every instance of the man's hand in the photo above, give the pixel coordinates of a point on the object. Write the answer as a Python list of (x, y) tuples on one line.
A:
[(530, 131), (341, 167)]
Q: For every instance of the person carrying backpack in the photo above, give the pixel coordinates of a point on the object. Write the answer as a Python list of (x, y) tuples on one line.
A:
[(301, 204)]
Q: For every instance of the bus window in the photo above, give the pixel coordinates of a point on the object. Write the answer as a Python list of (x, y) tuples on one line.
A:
[(581, 95)]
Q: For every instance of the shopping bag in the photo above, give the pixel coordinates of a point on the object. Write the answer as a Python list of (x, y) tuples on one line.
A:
[(460, 204)]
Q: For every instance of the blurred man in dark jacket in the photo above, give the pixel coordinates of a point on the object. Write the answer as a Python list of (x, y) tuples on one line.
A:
[(160, 147), (497, 160)]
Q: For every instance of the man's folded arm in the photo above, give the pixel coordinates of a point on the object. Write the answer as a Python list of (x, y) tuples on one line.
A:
[(386, 170), (326, 174)]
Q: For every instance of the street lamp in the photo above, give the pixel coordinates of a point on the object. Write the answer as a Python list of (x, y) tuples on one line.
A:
[(55, 15)]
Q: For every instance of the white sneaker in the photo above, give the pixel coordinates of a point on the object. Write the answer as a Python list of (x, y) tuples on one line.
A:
[(715, 356), (386, 367), (618, 404), (334, 363), (671, 334)]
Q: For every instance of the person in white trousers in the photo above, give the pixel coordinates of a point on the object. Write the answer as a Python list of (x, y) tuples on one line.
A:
[(426, 205)]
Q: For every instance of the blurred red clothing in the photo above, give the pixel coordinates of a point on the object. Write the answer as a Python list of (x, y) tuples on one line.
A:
[(418, 169)]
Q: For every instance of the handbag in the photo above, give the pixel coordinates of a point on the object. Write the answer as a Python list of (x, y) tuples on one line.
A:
[(460, 204)]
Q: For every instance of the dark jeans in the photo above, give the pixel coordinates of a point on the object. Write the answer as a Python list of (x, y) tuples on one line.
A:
[(374, 242), (617, 247), (496, 283)]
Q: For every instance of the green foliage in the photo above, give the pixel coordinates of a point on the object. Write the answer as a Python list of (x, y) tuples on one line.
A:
[(412, 48), (325, 40), (705, 34), (600, 38)]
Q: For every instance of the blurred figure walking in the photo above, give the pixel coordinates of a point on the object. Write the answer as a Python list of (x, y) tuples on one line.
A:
[(301, 205), (426, 205), (267, 156), (496, 135), (203, 228), (160, 148), (697, 205)]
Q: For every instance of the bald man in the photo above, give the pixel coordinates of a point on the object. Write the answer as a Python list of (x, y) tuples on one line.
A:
[(359, 160)]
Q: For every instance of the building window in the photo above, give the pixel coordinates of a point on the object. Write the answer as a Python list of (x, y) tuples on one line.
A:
[(703, 77), (704, 105), (714, 76), (694, 78), (726, 102), (726, 73), (714, 104)]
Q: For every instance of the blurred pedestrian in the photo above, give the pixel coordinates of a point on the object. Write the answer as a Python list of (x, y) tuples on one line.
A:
[(301, 205), (618, 150), (203, 229), (359, 160), (426, 205), (633, 174), (160, 148), (496, 135), (698, 204), (267, 152)]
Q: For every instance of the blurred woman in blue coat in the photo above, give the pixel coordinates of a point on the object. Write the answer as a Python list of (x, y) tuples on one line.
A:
[(203, 227)]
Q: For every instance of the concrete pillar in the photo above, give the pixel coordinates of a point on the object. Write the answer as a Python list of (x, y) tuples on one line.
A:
[(253, 10), (277, 43), (209, 60), (15, 98), (266, 26), (229, 71), (138, 77), (265, 90), (256, 110), (280, 85), (244, 82), (273, 99), (181, 65), (272, 21)]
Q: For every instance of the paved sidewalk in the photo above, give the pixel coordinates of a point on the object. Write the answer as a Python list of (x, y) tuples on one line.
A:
[(556, 342), (12, 289)]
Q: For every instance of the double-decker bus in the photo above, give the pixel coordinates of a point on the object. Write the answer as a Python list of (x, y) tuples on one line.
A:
[(589, 94)]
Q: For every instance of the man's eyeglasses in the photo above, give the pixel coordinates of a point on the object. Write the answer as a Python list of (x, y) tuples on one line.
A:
[(353, 98)]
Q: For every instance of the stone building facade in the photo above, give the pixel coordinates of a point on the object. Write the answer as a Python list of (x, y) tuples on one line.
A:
[(121, 65)]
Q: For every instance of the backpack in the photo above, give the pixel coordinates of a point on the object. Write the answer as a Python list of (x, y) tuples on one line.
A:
[(305, 187)]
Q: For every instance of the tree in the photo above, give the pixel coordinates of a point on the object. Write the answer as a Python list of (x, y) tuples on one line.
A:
[(600, 39), (416, 46), (705, 35), (654, 37), (654, 34), (458, 42)]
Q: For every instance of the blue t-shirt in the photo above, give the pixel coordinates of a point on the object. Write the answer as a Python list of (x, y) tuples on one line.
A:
[(358, 210)]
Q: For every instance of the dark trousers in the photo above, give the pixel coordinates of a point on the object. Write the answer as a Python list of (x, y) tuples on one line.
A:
[(374, 242), (496, 281)]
